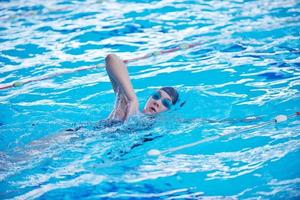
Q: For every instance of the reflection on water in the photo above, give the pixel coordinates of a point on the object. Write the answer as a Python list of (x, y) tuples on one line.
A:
[(246, 66)]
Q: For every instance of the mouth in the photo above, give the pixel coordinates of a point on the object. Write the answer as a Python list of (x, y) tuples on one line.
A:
[(152, 109)]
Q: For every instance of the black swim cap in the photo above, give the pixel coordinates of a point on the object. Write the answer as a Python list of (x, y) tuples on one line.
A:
[(172, 92)]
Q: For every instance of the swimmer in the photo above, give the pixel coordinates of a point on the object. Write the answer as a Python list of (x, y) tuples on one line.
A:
[(127, 104)]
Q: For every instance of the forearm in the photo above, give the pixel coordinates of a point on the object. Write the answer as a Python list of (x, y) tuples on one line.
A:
[(118, 72)]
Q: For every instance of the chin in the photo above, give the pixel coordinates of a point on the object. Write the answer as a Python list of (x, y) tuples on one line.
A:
[(148, 112)]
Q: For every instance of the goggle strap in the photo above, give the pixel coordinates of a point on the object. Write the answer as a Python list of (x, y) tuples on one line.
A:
[(182, 104)]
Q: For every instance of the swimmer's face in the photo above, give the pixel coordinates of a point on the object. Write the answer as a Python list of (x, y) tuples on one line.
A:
[(159, 102)]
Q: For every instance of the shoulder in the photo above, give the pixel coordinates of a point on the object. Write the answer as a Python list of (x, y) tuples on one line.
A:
[(105, 123)]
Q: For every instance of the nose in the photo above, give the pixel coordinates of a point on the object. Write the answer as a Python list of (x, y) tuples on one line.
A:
[(156, 104)]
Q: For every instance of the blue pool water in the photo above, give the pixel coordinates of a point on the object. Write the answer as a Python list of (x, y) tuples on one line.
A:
[(248, 65)]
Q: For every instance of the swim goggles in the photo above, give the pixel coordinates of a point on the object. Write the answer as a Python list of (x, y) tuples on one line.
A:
[(166, 102)]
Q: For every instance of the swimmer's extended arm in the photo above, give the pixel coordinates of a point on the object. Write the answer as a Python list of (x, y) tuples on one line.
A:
[(121, 83)]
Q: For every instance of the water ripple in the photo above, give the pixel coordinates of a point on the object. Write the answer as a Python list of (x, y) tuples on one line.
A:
[(247, 65)]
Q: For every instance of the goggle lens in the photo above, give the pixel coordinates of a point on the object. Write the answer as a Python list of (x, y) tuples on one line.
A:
[(167, 103), (156, 96)]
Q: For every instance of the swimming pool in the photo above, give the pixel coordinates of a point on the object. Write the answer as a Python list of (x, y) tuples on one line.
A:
[(247, 65)]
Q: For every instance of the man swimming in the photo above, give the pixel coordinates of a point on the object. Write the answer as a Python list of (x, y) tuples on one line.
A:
[(127, 104)]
